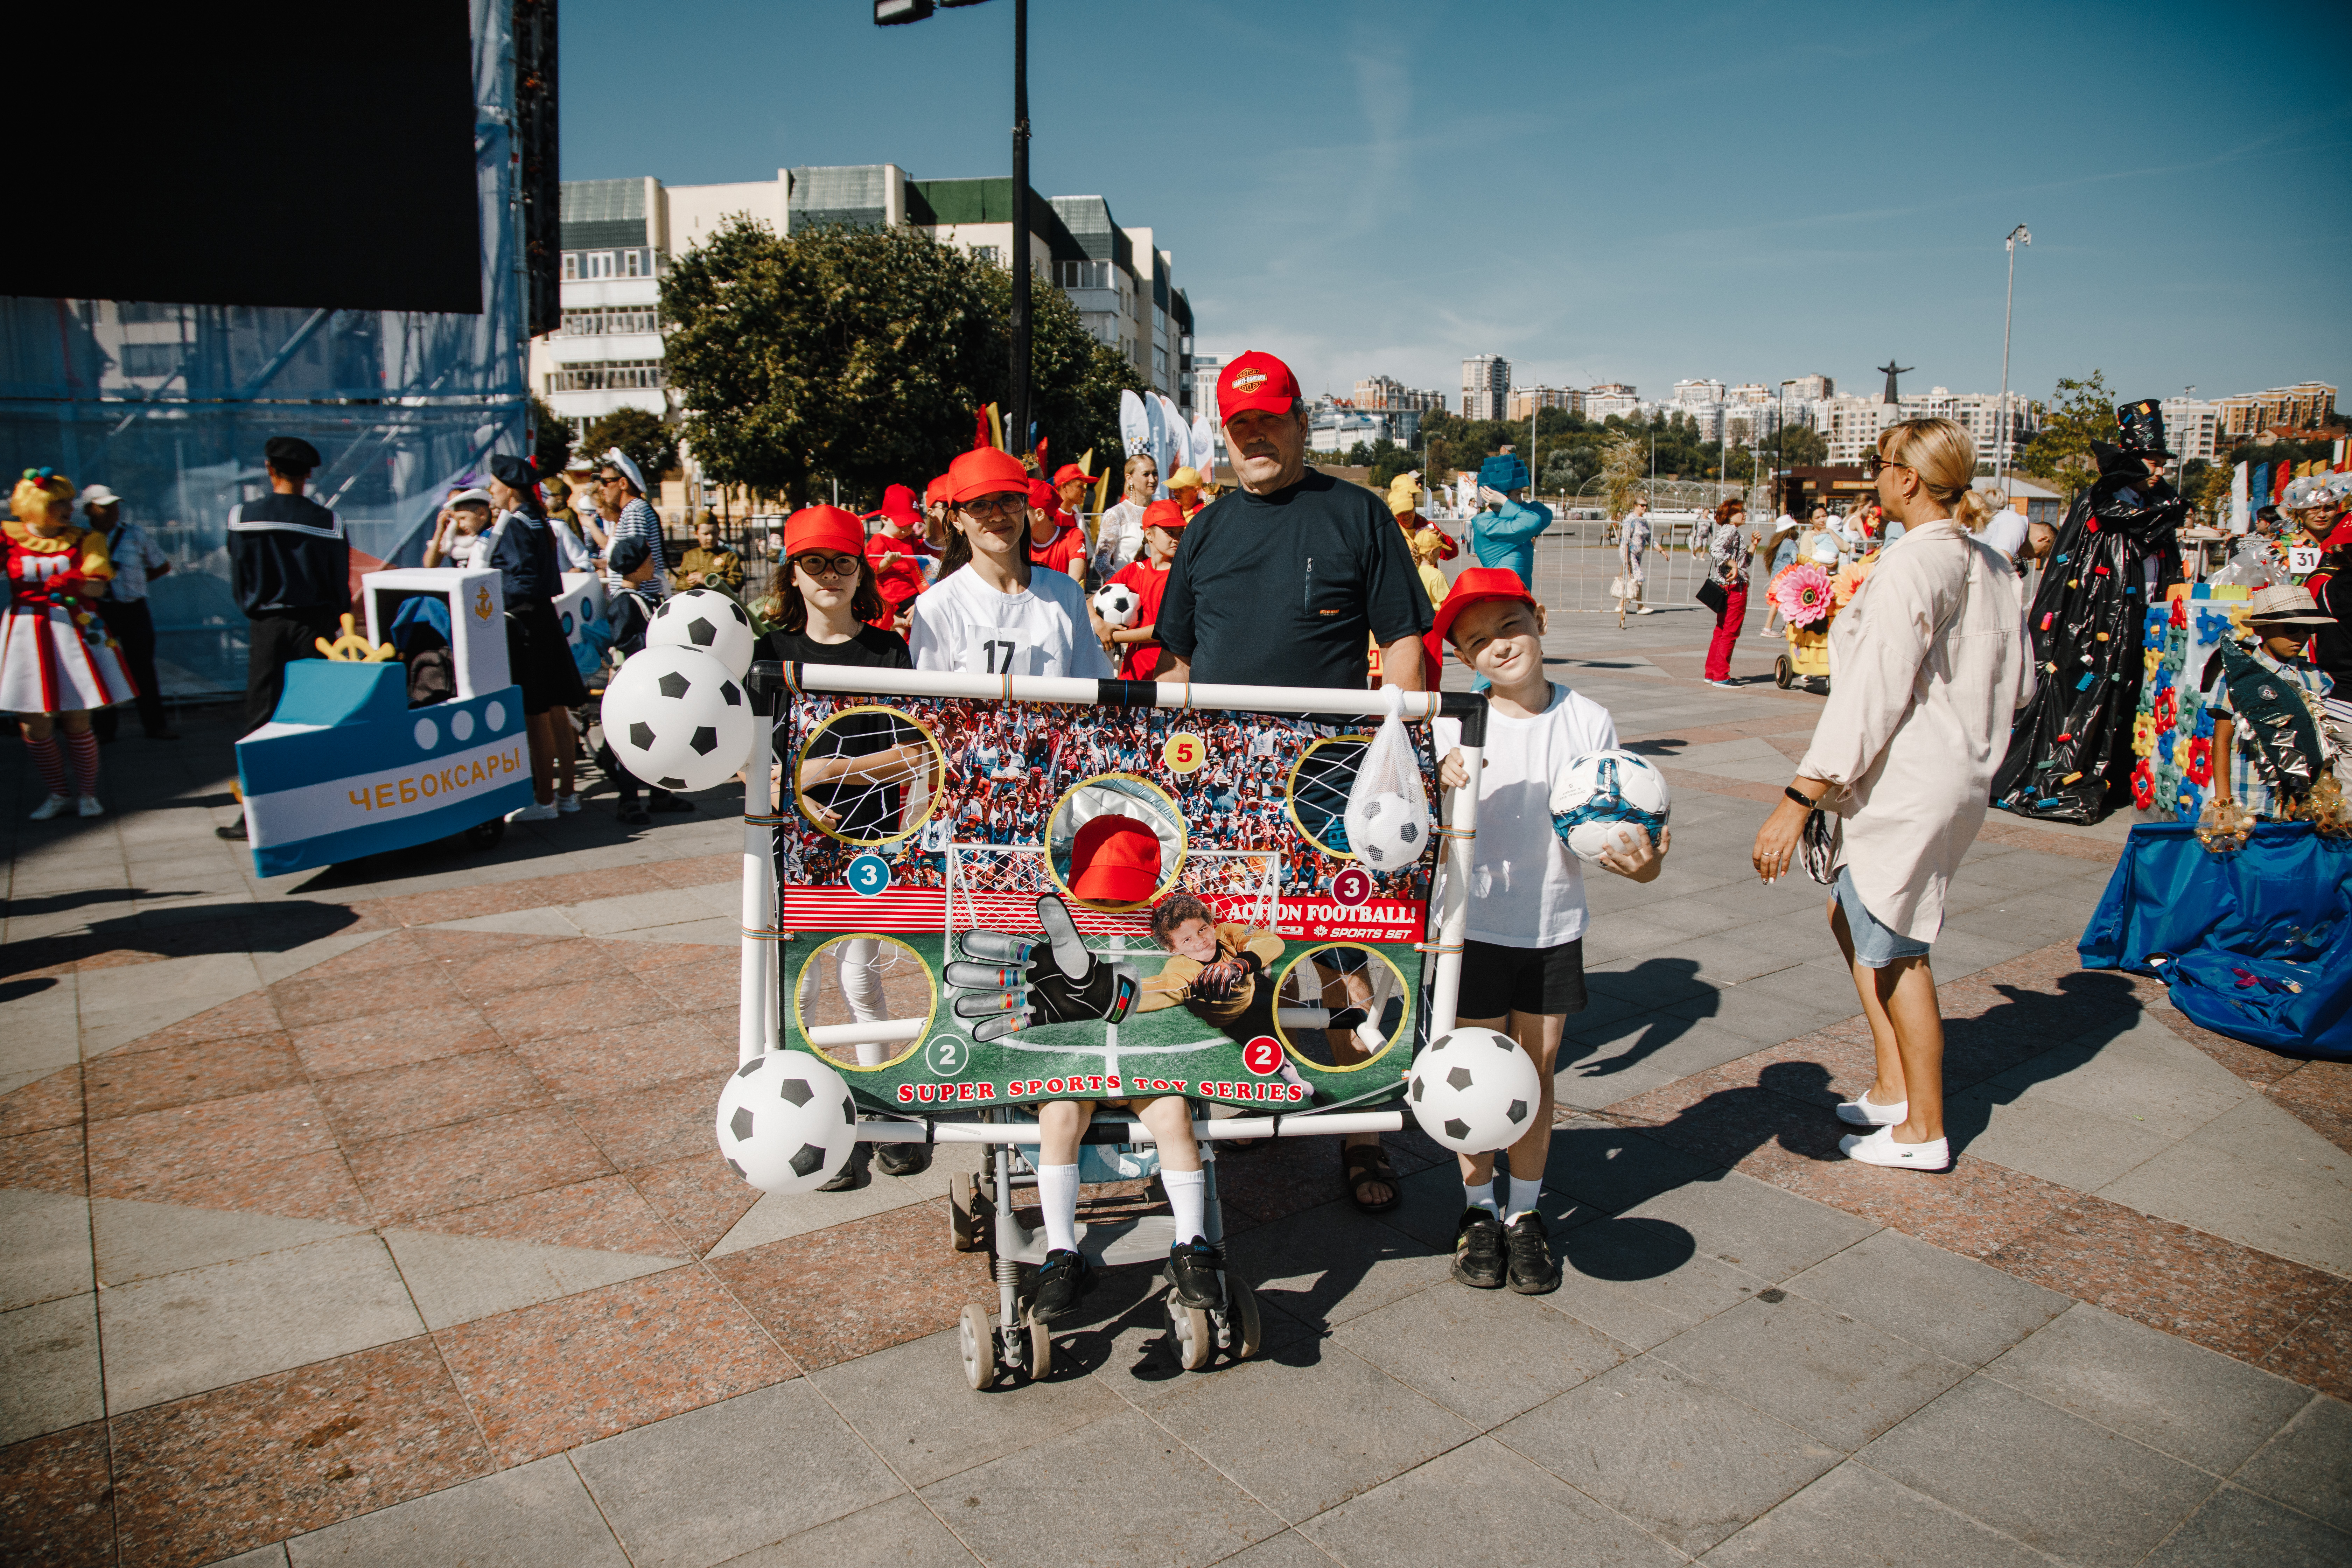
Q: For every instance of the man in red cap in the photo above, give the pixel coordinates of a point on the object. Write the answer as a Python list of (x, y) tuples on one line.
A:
[(1137, 644), (1055, 540), (990, 611), (1288, 579)]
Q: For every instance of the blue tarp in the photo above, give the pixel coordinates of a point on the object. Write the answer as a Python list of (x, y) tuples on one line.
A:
[(2255, 944)]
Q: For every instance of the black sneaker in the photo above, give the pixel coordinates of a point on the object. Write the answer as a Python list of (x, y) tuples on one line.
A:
[(1532, 1270), (234, 832), (670, 803), (1191, 1273), (1066, 1277), (902, 1159), (1478, 1249), (854, 1174), (635, 817)]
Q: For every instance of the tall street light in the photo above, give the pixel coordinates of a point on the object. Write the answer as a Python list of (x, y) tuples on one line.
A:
[(894, 13), (2003, 424)]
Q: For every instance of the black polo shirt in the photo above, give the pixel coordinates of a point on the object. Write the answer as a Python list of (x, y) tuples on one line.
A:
[(1290, 589)]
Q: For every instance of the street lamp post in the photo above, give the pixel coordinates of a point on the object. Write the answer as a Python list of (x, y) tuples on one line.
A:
[(2003, 423), (894, 13)]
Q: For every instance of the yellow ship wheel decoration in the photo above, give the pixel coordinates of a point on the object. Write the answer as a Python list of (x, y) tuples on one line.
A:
[(351, 648)]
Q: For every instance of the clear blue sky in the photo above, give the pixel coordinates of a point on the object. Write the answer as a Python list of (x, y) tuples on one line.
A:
[(1636, 193)]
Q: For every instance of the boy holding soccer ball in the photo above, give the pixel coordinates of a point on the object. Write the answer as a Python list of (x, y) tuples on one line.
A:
[(1523, 956)]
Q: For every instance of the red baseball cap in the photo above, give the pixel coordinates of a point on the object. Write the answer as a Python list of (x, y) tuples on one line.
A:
[(823, 528), (1255, 380), (1168, 514), (1068, 471), (986, 472), (1114, 859), (1475, 586), (936, 491), (899, 506), (1041, 496)]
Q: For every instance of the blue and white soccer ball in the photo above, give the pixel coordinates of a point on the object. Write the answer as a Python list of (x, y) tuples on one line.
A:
[(707, 619), (1601, 795), (786, 1122), (678, 720), (1388, 832), (1475, 1090), (1115, 605)]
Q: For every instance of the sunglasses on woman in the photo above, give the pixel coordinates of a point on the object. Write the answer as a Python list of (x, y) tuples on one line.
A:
[(1875, 461), (826, 565)]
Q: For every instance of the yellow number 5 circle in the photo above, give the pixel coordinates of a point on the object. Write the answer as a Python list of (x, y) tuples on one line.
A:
[(1184, 752)]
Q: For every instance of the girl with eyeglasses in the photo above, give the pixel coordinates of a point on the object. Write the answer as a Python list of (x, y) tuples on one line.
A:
[(990, 611)]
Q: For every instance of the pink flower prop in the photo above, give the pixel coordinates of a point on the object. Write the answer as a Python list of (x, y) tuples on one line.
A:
[(1802, 592)]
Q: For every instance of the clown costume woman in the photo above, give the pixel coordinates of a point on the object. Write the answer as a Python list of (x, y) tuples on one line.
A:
[(56, 662)]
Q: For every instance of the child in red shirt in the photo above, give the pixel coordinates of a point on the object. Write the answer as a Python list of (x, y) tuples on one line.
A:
[(1055, 540), (1147, 577), (897, 550)]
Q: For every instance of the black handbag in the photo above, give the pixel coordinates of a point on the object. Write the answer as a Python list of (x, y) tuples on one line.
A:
[(1713, 595)]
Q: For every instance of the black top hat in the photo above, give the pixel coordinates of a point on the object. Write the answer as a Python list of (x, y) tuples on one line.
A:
[(2139, 429)]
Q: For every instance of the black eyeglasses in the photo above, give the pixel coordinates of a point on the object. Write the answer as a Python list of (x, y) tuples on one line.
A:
[(818, 565), (985, 506), (1872, 464)]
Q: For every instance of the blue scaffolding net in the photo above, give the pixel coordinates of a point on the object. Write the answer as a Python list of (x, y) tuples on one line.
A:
[(169, 404)]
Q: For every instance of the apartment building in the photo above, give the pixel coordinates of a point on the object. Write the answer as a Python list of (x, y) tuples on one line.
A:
[(2192, 428), (2305, 406), (1526, 400), (619, 235), (1399, 407), (1485, 387)]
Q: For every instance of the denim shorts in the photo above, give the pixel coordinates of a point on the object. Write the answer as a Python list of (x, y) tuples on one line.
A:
[(1874, 945)]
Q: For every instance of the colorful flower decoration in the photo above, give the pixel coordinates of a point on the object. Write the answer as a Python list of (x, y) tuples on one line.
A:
[(2143, 735), (2166, 709), (1849, 578), (1802, 592), (2201, 761), (2151, 660), (2143, 788), (2180, 617)]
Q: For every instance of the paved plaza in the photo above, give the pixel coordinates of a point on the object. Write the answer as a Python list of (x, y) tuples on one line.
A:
[(373, 1217)]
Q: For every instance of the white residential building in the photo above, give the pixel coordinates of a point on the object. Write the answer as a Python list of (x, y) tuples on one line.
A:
[(1988, 420), (2192, 428), (1809, 388), (1485, 387), (1699, 394), (1526, 400), (1611, 398), (1851, 426)]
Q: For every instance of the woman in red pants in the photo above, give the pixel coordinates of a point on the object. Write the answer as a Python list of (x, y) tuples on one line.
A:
[(1727, 549)]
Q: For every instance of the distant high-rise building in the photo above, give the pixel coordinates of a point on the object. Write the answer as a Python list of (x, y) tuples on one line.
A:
[(1610, 397), (2305, 406), (1485, 387), (2192, 428), (1397, 405), (1697, 393), (1810, 388), (1749, 392), (1526, 400)]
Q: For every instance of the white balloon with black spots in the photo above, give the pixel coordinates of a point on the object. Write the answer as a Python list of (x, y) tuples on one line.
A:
[(678, 720), (786, 1122), (707, 619), (1475, 1090)]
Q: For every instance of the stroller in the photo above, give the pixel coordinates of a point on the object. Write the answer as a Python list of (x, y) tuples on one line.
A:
[(1807, 584)]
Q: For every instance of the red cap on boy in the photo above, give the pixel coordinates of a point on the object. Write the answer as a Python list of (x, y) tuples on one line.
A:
[(1475, 586)]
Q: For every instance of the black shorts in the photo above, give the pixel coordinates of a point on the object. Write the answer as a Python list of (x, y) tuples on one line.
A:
[(1499, 981)]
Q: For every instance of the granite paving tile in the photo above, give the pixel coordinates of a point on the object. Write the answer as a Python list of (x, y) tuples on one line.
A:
[(1955, 1306), (899, 1533), (653, 1125), (1279, 1177), (307, 1187), (567, 1371), (2252, 1063), (612, 1002), (237, 1468), (1972, 1209), (2309, 1464), (131, 1085), (394, 950), (55, 1101), (503, 897), (253, 1014), (606, 1213), (474, 1162), (2318, 1352), (2236, 1526), (576, 964), (698, 1196), (534, 1516), (1484, 1354), (305, 1000), (50, 1374), (1856, 1517), (2322, 1086), (380, 1040), (2335, 1128), (2232, 1298), (454, 949), (854, 1289), (393, 1101), (594, 1063), (56, 1499), (131, 1154), (51, 1161), (696, 870), (1821, 1369)]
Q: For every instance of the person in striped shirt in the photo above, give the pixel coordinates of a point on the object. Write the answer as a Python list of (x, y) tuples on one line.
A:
[(621, 499)]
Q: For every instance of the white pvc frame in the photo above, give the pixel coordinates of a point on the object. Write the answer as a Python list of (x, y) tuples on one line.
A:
[(759, 1025)]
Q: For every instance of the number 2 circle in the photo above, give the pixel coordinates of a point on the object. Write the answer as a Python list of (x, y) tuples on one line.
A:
[(1263, 1055), (948, 1056)]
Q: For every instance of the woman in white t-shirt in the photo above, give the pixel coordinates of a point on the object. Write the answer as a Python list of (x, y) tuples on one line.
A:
[(988, 613), (1523, 956)]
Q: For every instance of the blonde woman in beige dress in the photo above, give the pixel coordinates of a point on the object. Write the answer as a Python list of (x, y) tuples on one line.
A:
[(1927, 667)]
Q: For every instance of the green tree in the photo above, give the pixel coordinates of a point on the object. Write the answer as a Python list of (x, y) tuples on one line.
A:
[(550, 438), (1389, 460), (2060, 455), (650, 443), (1797, 447), (1625, 468), (1074, 380)]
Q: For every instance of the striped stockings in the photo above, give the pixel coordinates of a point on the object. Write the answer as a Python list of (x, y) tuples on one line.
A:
[(49, 762), (81, 750)]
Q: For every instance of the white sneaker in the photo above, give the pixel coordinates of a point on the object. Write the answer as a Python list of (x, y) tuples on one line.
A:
[(51, 806), (1645, 610), (538, 811), (1862, 1112), (1880, 1148), (90, 805), (567, 803)]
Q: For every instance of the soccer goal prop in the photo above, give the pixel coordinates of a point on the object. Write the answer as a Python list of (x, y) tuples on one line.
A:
[(965, 895)]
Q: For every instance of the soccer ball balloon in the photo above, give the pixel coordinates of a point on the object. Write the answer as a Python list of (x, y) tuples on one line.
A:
[(1475, 1090), (1115, 605), (707, 619), (786, 1123), (1388, 832), (678, 720), (1602, 793)]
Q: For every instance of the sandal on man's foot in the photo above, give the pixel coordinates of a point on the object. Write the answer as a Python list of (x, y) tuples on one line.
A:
[(1363, 1165)]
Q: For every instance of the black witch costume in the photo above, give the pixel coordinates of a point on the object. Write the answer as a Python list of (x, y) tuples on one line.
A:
[(2070, 754)]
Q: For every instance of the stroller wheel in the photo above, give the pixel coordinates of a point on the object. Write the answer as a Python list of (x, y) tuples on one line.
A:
[(1196, 1338), (1041, 1352), (1784, 674), (1242, 1332), (977, 1342), (964, 1223)]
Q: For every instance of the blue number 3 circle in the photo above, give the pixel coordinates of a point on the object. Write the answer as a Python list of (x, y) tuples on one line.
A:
[(869, 875)]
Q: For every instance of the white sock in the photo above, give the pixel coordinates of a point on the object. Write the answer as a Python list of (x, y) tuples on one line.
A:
[(1057, 1190), (1481, 1197), (1523, 1196), (1188, 1193)]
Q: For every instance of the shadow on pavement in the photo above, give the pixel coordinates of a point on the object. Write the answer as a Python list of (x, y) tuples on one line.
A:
[(186, 933), (1654, 983)]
